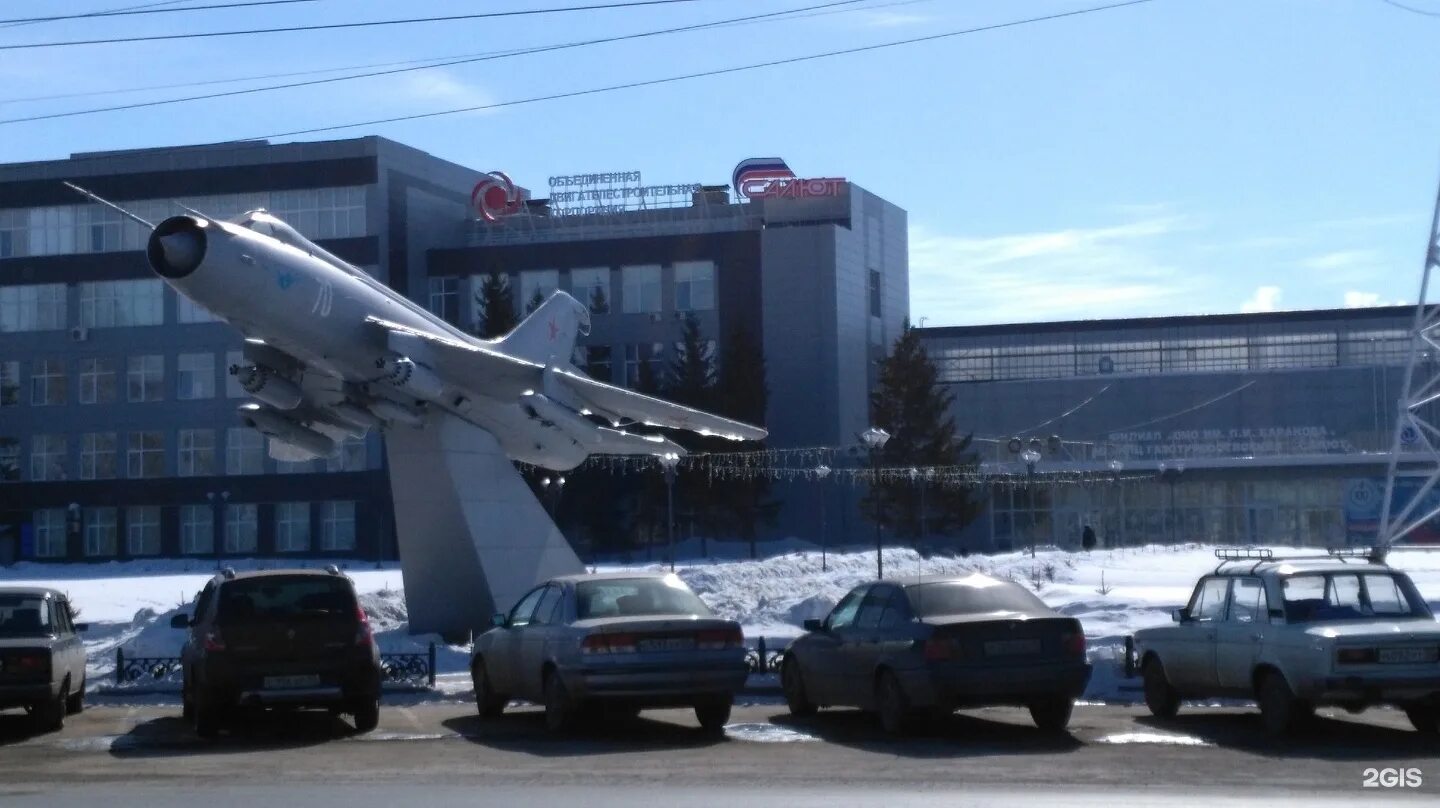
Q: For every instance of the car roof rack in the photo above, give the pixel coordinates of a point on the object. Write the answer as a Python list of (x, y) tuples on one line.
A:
[(1244, 553), (1371, 555), (332, 569)]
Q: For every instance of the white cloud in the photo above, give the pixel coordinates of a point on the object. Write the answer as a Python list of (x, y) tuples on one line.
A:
[(1076, 273), (1266, 298), (1342, 260), (438, 90), (1361, 300)]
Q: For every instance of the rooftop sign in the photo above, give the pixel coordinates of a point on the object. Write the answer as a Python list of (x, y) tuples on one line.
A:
[(771, 177)]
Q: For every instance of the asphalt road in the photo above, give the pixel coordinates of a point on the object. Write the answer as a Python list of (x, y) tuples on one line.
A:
[(439, 755)]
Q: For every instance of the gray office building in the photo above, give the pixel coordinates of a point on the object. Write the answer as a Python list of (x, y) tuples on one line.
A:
[(1240, 428), (118, 435)]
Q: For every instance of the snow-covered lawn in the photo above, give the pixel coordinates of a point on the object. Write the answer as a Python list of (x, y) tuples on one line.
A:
[(1112, 592)]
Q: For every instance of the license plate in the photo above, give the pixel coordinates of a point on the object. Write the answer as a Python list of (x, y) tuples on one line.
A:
[(1402, 655), (290, 682), (668, 644), (1012, 647)]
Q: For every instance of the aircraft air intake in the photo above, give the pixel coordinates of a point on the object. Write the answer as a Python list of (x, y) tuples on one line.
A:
[(177, 247)]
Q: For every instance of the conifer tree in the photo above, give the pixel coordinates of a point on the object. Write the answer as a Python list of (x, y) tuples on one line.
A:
[(495, 302)]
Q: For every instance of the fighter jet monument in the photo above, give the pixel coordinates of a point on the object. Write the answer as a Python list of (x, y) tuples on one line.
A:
[(332, 352)]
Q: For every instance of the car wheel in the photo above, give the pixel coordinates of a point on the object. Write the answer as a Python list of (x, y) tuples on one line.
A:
[(891, 705), (714, 714), (76, 703), (205, 715), (367, 714), (487, 701), (1424, 717), (1052, 714), (49, 716), (793, 683), (560, 712), (1279, 708), (1162, 699)]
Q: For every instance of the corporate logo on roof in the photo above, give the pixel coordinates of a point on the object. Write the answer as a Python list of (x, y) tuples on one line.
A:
[(496, 197), (770, 177)]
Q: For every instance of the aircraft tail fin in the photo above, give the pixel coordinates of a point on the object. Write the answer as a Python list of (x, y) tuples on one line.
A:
[(548, 335)]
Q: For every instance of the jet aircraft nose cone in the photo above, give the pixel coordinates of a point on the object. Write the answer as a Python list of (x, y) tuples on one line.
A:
[(180, 249)]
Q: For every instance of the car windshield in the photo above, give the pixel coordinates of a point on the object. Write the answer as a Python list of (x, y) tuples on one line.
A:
[(24, 616), (1322, 598), (280, 598), (637, 597), (961, 597)]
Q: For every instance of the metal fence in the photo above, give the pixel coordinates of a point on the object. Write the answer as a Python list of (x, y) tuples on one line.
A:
[(765, 657), (396, 670)]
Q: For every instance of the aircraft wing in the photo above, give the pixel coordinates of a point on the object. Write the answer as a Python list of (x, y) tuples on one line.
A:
[(463, 364), (653, 411)]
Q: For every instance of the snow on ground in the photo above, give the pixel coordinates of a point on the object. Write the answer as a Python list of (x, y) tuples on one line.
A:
[(1112, 592)]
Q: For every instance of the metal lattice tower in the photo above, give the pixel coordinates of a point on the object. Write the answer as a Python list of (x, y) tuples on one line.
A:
[(1420, 389)]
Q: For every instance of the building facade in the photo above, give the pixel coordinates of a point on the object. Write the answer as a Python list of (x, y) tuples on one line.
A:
[(1250, 428), (118, 435)]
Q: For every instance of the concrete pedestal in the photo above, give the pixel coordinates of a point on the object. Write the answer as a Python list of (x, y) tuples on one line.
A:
[(472, 537)]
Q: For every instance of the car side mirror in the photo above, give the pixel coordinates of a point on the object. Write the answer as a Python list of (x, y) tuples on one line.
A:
[(81, 627), (180, 621), (814, 625), (498, 620), (1180, 615)]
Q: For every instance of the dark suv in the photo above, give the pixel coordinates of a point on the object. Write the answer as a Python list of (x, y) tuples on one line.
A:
[(286, 637)]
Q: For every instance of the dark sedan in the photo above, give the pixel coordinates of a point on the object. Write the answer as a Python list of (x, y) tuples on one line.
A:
[(916, 649)]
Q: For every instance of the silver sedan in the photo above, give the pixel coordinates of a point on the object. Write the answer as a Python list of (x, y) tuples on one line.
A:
[(624, 641)]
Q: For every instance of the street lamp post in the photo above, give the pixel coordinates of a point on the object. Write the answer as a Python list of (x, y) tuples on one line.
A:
[(875, 438), (668, 461), (821, 472), (1030, 457)]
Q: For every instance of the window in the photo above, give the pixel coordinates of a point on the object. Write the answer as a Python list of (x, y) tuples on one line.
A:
[(536, 286), (197, 452), (1209, 601), (520, 615), (694, 285), (9, 460), (843, 615), (872, 607), (1384, 595), (142, 530), (100, 532), (244, 451), (52, 230), (233, 389), (188, 311), (47, 383), (294, 466), (649, 354), (47, 458), (195, 376), (592, 287), (874, 289), (145, 378), (350, 455), (145, 455), (242, 528), (97, 455), (595, 359), (337, 530), (445, 299), (97, 381), (9, 383), (105, 304), (51, 533), (197, 529), (1249, 604), (641, 289), (292, 527), (32, 307), (635, 597), (545, 610)]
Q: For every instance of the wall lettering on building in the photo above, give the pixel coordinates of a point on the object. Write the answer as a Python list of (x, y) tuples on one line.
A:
[(1253, 441), (771, 177)]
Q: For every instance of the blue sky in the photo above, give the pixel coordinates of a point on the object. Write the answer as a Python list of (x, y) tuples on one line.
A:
[(1179, 156)]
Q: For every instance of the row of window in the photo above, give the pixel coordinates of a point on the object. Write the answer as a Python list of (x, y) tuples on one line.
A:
[(100, 533), (641, 289), (964, 361), (100, 455), (97, 379), (598, 360), (103, 304), (318, 213)]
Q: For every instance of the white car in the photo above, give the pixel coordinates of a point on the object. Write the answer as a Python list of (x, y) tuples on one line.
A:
[(42, 661), (1295, 633)]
